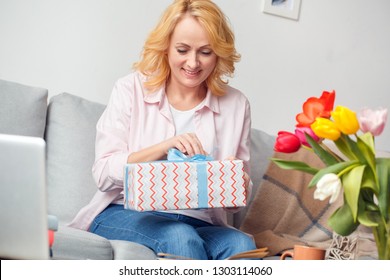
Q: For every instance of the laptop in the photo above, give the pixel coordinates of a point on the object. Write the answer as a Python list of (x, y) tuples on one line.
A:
[(23, 199)]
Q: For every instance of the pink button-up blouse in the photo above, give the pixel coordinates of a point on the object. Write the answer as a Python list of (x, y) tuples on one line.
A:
[(135, 119)]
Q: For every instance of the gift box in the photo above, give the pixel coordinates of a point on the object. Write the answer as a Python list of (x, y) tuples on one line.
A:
[(187, 184)]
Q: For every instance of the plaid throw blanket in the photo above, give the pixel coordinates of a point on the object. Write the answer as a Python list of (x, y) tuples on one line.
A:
[(284, 213)]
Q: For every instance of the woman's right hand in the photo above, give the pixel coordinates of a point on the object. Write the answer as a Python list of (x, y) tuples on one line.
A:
[(187, 143)]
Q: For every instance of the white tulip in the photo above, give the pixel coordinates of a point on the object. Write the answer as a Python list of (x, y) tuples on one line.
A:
[(328, 186)]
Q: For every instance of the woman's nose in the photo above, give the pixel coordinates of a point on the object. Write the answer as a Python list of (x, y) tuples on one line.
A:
[(193, 61)]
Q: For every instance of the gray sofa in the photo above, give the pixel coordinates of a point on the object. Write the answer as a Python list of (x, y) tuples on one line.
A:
[(67, 123)]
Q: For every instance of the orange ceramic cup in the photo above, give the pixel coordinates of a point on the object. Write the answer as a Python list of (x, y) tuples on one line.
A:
[(302, 252)]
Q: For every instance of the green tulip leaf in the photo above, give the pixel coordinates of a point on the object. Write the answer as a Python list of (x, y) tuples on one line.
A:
[(343, 147), (368, 212), (368, 218), (352, 182), (383, 169), (336, 169), (368, 139), (324, 155), (369, 181), (367, 152), (294, 165), (354, 148), (342, 221)]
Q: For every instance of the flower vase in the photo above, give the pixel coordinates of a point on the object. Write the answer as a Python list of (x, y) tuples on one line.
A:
[(360, 244)]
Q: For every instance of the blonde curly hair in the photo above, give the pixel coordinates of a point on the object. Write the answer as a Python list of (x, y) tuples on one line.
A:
[(154, 61)]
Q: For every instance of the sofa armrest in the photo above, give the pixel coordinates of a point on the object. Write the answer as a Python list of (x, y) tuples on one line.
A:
[(76, 244)]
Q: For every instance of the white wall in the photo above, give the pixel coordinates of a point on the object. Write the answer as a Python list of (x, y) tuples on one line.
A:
[(83, 46)]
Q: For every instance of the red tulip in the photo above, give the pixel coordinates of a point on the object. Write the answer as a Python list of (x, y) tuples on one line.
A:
[(287, 142)]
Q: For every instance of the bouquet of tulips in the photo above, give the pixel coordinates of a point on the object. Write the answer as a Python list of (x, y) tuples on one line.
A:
[(352, 168)]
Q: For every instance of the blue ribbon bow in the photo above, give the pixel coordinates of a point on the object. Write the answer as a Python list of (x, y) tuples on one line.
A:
[(176, 155)]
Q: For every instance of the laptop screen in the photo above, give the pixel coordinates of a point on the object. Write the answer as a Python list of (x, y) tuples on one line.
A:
[(23, 205)]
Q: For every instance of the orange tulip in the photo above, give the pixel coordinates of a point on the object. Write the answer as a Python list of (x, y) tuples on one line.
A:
[(316, 107)]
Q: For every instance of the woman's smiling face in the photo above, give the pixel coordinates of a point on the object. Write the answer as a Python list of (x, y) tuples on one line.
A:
[(190, 56)]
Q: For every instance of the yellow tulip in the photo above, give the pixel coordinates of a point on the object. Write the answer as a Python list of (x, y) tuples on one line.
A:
[(325, 128), (346, 120)]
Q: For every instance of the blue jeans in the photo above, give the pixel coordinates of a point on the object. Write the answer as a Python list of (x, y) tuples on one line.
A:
[(171, 233)]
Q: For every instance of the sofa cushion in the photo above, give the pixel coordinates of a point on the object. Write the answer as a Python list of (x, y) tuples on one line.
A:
[(70, 138), (75, 244), (262, 148), (22, 109)]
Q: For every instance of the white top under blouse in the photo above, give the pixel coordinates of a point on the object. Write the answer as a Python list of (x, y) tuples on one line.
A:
[(184, 123)]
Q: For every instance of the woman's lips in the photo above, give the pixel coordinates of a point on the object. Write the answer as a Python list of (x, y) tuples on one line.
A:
[(191, 73)]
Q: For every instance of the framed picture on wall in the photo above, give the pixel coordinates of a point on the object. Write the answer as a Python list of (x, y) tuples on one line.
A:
[(283, 8)]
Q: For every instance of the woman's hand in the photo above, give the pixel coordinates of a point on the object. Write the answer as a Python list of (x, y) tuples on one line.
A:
[(247, 181), (187, 143)]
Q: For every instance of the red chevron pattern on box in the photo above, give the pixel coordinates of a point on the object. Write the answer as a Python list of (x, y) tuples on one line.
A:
[(165, 185)]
